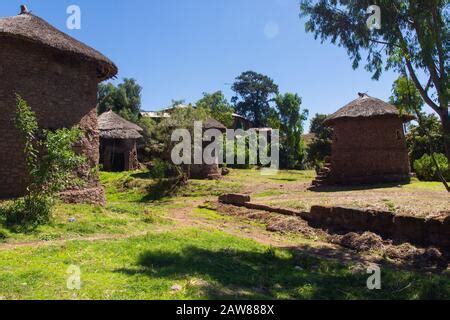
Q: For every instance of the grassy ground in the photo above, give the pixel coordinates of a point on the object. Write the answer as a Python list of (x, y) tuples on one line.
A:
[(143, 245)]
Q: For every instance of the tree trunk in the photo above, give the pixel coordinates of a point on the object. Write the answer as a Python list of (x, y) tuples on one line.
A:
[(446, 128)]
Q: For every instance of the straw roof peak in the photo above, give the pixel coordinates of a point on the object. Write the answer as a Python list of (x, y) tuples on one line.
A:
[(113, 126), (213, 124), (364, 106), (30, 28)]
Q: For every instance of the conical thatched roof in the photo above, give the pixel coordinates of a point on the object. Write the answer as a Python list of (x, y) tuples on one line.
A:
[(113, 126), (364, 107), (29, 27), (213, 124)]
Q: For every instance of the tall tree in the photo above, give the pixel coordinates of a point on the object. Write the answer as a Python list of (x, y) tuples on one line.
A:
[(254, 93), (124, 99), (321, 145), (412, 38), (407, 98), (218, 106), (319, 129), (292, 151)]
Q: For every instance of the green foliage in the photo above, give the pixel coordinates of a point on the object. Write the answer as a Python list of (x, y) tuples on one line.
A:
[(292, 150), (50, 161), (254, 92), (148, 126), (414, 30), (405, 96), (319, 129), (425, 138), (320, 147), (30, 211), (218, 106), (181, 118), (422, 139), (125, 99), (159, 169), (426, 170)]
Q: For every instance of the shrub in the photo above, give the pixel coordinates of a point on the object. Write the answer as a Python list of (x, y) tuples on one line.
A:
[(50, 161), (159, 169), (29, 211), (426, 170)]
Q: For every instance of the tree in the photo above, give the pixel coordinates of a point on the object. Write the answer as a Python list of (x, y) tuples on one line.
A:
[(292, 150), (411, 39), (254, 92), (218, 107), (321, 145), (407, 99), (319, 129), (419, 143), (125, 99)]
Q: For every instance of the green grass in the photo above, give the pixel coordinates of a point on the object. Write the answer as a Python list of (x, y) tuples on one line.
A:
[(425, 185), (205, 264)]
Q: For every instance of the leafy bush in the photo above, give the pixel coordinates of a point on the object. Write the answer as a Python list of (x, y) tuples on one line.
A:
[(159, 169), (29, 211), (50, 161), (426, 170)]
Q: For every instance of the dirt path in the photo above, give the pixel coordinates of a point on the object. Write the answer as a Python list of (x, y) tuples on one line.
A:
[(42, 243), (320, 249)]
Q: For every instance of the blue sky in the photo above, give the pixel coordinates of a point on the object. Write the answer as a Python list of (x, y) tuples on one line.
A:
[(178, 49)]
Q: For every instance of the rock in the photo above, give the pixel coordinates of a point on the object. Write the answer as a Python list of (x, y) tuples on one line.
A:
[(72, 220), (225, 171), (176, 288), (234, 198)]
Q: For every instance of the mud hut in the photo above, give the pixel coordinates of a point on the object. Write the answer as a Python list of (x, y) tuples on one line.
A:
[(368, 144), (58, 76), (118, 138), (208, 171)]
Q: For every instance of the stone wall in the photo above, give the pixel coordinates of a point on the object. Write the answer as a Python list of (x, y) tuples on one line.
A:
[(369, 151), (416, 230), (91, 196), (60, 90)]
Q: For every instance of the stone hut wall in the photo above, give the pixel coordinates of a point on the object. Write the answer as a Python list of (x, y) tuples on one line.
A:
[(369, 151), (62, 92)]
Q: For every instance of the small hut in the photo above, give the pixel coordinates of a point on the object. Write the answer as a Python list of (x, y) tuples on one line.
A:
[(368, 144), (118, 137), (208, 171), (58, 76)]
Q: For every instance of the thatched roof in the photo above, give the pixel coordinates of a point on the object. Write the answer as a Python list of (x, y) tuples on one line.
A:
[(364, 107), (31, 28), (113, 126), (213, 124)]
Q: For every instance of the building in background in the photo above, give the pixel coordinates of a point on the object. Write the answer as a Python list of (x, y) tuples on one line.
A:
[(118, 140)]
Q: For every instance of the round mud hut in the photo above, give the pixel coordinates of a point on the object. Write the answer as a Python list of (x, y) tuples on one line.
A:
[(118, 139), (208, 171), (58, 77), (368, 145)]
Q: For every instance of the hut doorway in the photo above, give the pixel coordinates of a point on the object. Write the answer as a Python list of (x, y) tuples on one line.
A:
[(118, 162)]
